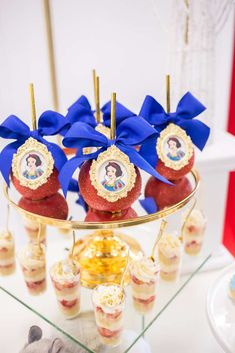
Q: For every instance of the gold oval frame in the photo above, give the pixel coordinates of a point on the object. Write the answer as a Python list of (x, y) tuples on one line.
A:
[(169, 131), (66, 224), (32, 145), (112, 154)]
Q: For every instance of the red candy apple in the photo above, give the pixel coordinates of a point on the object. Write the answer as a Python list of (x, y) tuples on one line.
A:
[(167, 195), (103, 216), (54, 206), (48, 189), (172, 174), (97, 202)]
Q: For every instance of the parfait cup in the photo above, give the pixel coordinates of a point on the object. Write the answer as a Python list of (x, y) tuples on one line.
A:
[(144, 278), (65, 277), (32, 229), (193, 232), (109, 302), (7, 253), (170, 257), (33, 264)]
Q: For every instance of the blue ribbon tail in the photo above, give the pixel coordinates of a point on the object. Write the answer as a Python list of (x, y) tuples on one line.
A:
[(149, 205), (73, 185), (140, 162), (6, 157), (148, 151), (197, 130), (81, 202), (66, 173)]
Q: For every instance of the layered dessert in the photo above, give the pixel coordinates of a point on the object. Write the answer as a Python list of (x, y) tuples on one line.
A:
[(232, 287), (33, 263), (193, 232), (143, 283), (32, 229), (7, 253), (65, 276), (108, 301), (169, 254)]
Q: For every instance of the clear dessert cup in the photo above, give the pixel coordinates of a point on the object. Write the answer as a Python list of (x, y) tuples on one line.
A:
[(232, 288), (193, 232), (32, 229), (65, 277), (109, 301), (170, 256), (144, 277), (32, 259), (7, 253)]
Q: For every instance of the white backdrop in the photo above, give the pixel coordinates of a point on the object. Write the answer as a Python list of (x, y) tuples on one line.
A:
[(127, 41)]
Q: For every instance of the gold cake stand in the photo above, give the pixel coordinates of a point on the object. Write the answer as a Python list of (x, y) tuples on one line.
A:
[(103, 254)]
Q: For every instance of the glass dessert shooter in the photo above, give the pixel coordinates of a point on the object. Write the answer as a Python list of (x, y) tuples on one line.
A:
[(169, 255), (32, 259), (109, 301), (7, 253), (232, 287), (144, 277), (193, 232), (65, 277), (32, 229)]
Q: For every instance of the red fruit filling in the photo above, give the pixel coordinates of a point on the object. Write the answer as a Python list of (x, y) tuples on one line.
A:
[(145, 301), (60, 286), (68, 303), (114, 315), (34, 285), (107, 333)]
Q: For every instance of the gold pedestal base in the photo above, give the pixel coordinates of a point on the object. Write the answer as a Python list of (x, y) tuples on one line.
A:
[(103, 255)]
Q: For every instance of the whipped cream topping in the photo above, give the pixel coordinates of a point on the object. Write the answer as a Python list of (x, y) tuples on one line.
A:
[(32, 255), (170, 245), (196, 218), (65, 271), (108, 296), (144, 269), (6, 239)]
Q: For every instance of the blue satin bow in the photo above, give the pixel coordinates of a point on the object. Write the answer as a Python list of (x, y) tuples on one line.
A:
[(50, 123), (122, 113), (131, 132), (79, 111), (187, 109)]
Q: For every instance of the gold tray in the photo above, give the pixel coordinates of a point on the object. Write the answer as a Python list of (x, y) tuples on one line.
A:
[(75, 224)]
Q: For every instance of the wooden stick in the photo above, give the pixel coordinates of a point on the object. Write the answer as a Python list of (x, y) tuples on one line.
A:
[(168, 94), (113, 117), (33, 109), (74, 241), (97, 94), (160, 234), (94, 84)]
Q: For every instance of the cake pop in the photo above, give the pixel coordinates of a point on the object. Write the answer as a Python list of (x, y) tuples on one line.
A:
[(32, 161), (177, 132)]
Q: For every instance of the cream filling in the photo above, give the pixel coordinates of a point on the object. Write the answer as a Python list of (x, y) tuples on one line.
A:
[(68, 297), (113, 325), (65, 272), (142, 295), (144, 270), (169, 268), (6, 262), (34, 278), (170, 246)]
